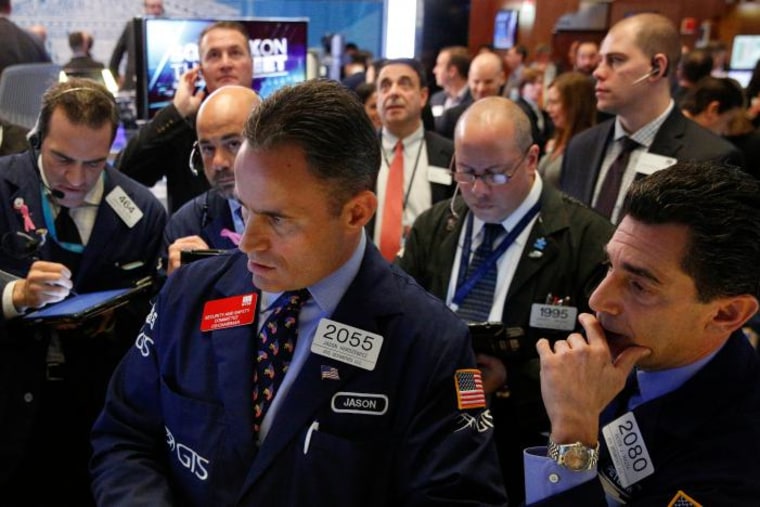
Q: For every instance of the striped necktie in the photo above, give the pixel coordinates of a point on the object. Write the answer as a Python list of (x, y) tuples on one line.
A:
[(477, 304)]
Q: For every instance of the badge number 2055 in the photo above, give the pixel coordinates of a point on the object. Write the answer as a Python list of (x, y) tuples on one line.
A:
[(347, 344)]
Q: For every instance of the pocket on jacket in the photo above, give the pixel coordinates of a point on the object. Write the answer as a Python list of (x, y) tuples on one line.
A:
[(339, 471)]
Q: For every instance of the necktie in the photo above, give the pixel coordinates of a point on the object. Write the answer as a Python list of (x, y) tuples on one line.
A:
[(276, 342), (65, 228), (393, 208), (605, 202), (477, 304)]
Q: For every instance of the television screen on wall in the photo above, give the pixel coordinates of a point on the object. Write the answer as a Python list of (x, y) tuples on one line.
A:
[(745, 51), (505, 29), (167, 47)]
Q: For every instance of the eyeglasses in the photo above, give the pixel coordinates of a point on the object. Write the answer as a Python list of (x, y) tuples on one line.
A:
[(204, 150), (489, 178)]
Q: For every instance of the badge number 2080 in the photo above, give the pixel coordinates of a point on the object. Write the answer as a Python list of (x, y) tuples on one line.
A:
[(347, 344)]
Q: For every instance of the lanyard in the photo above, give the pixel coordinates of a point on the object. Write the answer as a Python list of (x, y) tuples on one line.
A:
[(47, 212), (465, 286)]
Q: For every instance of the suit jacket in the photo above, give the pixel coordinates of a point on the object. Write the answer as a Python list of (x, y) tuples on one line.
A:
[(19, 46), (569, 265), (438, 99), (204, 216), (176, 429), (703, 438), (162, 148), (678, 137), (30, 416), (439, 152), (82, 63), (447, 122)]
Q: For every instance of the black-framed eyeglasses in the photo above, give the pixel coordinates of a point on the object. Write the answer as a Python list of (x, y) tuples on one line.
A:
[(489, 178), (206, 150)]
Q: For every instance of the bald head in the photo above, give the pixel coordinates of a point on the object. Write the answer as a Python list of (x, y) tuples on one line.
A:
[(486, 75), (653, 34), (493, 137), (219, 125), (496, 114)]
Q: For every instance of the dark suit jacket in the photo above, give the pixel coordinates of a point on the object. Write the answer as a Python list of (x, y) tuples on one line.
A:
[(569, 265), (18, 46), (162, 147), (447, 122), (439, 153), (49, 435), (703, 438), (678, 137), (196, 387), (438, 99), (82, 63)]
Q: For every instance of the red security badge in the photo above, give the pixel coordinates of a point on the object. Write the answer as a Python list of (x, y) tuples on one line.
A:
[(229, 312)]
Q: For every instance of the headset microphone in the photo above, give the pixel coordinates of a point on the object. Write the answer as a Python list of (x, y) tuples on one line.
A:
[(646, 76), (58, 194)]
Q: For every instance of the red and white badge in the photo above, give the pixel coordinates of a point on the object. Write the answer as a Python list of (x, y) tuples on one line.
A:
[(229, 312)]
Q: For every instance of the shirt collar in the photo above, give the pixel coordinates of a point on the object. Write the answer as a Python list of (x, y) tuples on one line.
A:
[(327, 292), (645, 135), (653, 384), (511, 221), (389, 140)]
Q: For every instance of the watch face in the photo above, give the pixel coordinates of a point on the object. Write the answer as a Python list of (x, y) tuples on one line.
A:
[(576, 458)]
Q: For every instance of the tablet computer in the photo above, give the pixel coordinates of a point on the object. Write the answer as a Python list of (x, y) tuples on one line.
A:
[(83, 306)]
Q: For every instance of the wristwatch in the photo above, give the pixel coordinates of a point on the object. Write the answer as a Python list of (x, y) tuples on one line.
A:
[(577, 457)]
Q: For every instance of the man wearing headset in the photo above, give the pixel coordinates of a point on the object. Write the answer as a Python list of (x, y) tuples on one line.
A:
[(648, 132), (214, 218), (547, 251), (162, 146), (69, 223)]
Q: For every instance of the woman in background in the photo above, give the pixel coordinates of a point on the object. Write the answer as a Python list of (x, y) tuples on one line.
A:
[(571, 105), (368, 95)]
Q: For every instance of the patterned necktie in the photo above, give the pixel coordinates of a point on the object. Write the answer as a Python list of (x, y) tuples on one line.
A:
[(477, 304), (393, 207), (276, 343), (608, 194), (65, 228)]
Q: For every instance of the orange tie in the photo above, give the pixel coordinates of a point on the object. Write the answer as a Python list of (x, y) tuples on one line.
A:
[(390, 234)]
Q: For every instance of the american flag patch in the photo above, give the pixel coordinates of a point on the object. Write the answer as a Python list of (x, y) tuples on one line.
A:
[(469, 388), (329, 372), (683, 500)]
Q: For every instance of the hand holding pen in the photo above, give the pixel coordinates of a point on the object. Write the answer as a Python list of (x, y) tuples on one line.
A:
[(46, 282)]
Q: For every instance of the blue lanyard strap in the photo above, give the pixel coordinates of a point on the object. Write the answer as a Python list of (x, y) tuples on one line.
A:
[(465, 286), (47, 212)]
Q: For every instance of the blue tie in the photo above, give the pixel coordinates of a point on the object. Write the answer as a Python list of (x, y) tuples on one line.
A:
[(276, 343), (477, 304)]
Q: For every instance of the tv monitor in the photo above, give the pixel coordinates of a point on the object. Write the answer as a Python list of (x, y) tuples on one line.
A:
[(167, 47), (505, 29), (743, 76), (745, 52)]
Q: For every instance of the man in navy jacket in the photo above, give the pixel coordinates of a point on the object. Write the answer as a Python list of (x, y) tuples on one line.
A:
[(381, 403), (684, 427), (53, 378)]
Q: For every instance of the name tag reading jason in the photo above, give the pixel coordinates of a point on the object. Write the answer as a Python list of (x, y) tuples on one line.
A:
[(627, 449), (124, 206), (228, 312), (347, 344), (557, 317)]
